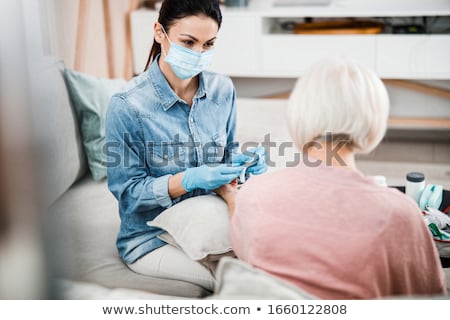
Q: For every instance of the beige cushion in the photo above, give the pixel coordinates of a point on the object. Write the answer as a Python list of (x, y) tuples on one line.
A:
[(199, 226), (238, 280)]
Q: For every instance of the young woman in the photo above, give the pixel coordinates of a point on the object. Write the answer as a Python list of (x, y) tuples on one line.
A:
[(323, 225), (169, 135)]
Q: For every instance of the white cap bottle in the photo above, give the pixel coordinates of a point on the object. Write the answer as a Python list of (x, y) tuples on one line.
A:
[(415, 183)]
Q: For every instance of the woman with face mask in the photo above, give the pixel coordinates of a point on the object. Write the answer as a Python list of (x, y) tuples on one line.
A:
[(170, 135)]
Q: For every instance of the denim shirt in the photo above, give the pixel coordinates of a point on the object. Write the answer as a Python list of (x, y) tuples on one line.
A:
[(152, 134)]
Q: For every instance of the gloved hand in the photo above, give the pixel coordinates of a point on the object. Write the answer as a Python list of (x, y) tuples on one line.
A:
[(209, 177), (238, 159)]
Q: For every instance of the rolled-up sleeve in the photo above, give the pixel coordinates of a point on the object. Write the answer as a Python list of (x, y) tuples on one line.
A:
[(161, 191), (128, 177)]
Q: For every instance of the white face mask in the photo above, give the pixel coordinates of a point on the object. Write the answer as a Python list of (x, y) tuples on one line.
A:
[(185, 62)]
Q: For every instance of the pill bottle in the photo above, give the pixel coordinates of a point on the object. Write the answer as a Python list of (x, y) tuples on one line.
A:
[(415, 183)]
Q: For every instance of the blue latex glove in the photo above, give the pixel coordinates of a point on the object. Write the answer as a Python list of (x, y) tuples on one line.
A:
[(209, 177), (239, 159)]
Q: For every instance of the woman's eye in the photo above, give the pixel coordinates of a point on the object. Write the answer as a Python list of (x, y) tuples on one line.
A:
[(209, 45), (188, 42)]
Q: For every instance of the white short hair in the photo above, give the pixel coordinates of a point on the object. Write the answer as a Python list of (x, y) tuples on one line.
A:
[(341, 97)]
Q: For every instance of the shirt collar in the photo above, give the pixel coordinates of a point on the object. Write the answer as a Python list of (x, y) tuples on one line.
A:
[(201, 91), (167, 96)]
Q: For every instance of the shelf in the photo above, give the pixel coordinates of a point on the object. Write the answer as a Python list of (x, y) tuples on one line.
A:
[(249, 43), (419, 87), (356, 25), (419, 123), (409, 85), (338, 8), (302, 51), (279, 102)]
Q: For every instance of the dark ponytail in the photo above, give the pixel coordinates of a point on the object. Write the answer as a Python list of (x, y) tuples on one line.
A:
[(172, 10)]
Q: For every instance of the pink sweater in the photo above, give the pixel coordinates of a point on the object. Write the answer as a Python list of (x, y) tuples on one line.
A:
[(335, 234)]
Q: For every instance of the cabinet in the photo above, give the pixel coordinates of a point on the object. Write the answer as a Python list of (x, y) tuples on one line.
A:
[(291, 55), (413, 56), (251, 43)]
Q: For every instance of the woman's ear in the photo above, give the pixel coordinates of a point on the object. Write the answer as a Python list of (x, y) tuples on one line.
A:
[(158, 32)]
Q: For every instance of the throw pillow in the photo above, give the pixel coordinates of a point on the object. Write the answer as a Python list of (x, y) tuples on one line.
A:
[(199, 226), (211, 260), (90, 98), (237, 279)]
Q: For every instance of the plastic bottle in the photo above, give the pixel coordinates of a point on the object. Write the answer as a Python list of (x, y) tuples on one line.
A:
[(415, 183)]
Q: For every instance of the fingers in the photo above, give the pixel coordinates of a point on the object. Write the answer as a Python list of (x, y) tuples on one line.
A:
[(258, 150), (229, 170), (261, 166), (259, 169), (239, 158), (229, 177), (227, 174)]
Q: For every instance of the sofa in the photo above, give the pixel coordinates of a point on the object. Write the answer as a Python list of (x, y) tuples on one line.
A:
[(82, 219)]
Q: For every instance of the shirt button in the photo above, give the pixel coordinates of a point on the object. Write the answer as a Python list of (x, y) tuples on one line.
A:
[(165, 157), (192, 119)]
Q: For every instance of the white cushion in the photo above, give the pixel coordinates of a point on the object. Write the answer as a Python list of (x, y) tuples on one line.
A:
[(237, 279), (199, 226)]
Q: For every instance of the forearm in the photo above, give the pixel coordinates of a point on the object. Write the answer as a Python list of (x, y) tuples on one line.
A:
[(175, 187), (230, 203), (228, 194)]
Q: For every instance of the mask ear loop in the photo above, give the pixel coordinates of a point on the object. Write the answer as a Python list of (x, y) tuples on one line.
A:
[(167, 36)]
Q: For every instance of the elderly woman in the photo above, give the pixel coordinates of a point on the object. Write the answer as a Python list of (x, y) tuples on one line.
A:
[(322, 225)]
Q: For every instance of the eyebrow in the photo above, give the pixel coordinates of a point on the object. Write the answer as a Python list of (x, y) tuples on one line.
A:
[(194, 38)]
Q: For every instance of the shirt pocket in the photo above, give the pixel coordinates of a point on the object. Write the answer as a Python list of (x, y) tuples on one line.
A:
[(214, 150), (166, 158)]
